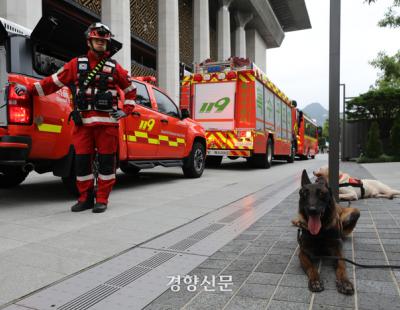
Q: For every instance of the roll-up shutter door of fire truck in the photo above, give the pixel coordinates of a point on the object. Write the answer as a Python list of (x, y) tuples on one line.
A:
[(3, 81), (214, 105)]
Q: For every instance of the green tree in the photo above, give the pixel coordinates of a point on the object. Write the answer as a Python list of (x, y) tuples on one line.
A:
[(395, 137), (391, 17), (374, 144), (390, 70), (325, 130), (381, 105)]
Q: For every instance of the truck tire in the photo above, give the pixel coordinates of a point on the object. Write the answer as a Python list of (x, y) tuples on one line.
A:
[(292, 154), (193, 165), (263, 161), (12, 176), (213, 161), (129, 170)]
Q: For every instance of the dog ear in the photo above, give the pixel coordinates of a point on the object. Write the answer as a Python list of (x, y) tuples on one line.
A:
[(304, 178)]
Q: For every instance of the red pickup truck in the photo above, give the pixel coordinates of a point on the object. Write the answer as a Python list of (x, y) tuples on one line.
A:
[(35, 133)]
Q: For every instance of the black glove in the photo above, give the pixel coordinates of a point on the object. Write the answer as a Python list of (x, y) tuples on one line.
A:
[(20, 90), (118, 114)]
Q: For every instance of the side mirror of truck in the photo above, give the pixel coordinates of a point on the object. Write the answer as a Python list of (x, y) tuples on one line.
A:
[(185, 113)]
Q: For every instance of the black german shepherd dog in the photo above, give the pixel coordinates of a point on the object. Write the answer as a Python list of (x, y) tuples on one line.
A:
[(322, 226)]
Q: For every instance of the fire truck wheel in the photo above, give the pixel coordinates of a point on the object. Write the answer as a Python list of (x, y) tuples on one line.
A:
[(129, 170), (70, 184), (193, 165), (292, 154), (12, 176), (263, 161), (213, 161)]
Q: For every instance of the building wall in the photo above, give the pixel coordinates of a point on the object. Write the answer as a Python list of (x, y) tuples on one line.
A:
[(144, 23), (186, 31)]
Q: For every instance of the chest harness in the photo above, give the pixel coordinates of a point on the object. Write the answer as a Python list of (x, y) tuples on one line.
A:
[(95, 90), (354, 183)]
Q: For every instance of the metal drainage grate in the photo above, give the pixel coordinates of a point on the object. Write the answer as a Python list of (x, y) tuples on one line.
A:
[(201, 234), (128, 276), (156, 260), (183, 244), (230, 218), (214, 227), (90, 298)]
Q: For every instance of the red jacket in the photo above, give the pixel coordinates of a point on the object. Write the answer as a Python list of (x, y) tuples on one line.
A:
[(67, 75)]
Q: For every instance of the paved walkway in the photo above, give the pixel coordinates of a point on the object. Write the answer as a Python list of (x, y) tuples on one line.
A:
[(266, 273)]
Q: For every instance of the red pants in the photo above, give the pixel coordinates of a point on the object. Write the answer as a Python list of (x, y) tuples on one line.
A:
[(86, 140)]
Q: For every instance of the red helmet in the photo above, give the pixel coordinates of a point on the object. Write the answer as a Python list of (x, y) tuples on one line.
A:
[(98, 31)]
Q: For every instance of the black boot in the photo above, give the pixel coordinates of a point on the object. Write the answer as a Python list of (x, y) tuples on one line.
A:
[(99, 207), (82, 206)]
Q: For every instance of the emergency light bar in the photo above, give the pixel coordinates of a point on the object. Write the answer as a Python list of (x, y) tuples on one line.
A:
[(147, 79)]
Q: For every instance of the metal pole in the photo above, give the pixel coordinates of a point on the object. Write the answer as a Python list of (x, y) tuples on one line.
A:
[(334, 95), (344, 124)]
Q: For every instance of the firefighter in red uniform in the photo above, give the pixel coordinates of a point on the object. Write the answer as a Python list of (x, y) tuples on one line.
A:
[(93, 80)]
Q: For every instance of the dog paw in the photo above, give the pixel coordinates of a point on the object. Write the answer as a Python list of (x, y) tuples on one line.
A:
[(345, 287), (315, 285)]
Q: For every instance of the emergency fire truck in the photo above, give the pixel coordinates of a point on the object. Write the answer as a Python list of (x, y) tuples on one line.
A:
[(306, 132), (243, 112), (35, 133)]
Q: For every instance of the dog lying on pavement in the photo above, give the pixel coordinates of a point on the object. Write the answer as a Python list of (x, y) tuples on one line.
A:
[(354, 189), (323, 224)]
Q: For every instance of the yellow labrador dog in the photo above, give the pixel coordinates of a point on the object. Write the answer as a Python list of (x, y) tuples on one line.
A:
[(354, 189)]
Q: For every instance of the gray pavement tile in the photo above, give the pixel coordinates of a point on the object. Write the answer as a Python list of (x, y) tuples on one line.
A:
[(248, 303), (392, 248), (276, 258), (295, 268), (294, 280), (8, 244), (373, 274), (247, 236), (390, 241), (254, 249), (366, 241), (17, 280), (207, 301), (334, 298), (270, 267), (224, 255), (233, 248), (370, 286), (218, 264), (170, 298), (264, 278), (256, 290), (281, 251), (203, 272), (286, 305), (374, 301), (326, 307), (255, 258), (365, 235), (369, 255), (156, 306), (16, 307), (368, 247), (295, 294), (242, 265)]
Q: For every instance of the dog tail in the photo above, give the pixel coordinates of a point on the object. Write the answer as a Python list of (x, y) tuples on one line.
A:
[(395, 192)]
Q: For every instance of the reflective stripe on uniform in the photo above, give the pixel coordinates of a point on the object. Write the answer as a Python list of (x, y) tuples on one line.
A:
[(56, 80), (85, 178), (39, 89), (106, 177), (109, 63), (98, 119), (129, 88), (130, 102), (83, 59)]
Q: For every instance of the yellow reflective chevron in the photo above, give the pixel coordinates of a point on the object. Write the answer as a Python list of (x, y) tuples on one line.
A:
[(153, 140), (49, 128)]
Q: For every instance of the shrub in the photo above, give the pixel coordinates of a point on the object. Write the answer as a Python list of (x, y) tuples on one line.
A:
[(374, 144), (395, 137)]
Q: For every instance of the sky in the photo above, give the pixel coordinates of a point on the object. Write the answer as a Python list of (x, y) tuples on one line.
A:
[(300, 66)]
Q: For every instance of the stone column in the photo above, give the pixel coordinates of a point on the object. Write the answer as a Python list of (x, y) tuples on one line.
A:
[(224, 30), (26, 13), (241, 20), (168, 47), (201, 31), (116, 14), (256, 49)]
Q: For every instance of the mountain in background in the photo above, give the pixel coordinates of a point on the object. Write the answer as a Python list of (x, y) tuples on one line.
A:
[(316, 111)]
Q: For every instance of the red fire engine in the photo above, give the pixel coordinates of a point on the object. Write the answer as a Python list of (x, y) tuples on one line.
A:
[(306, 132), (35, 133), (243, 112)]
